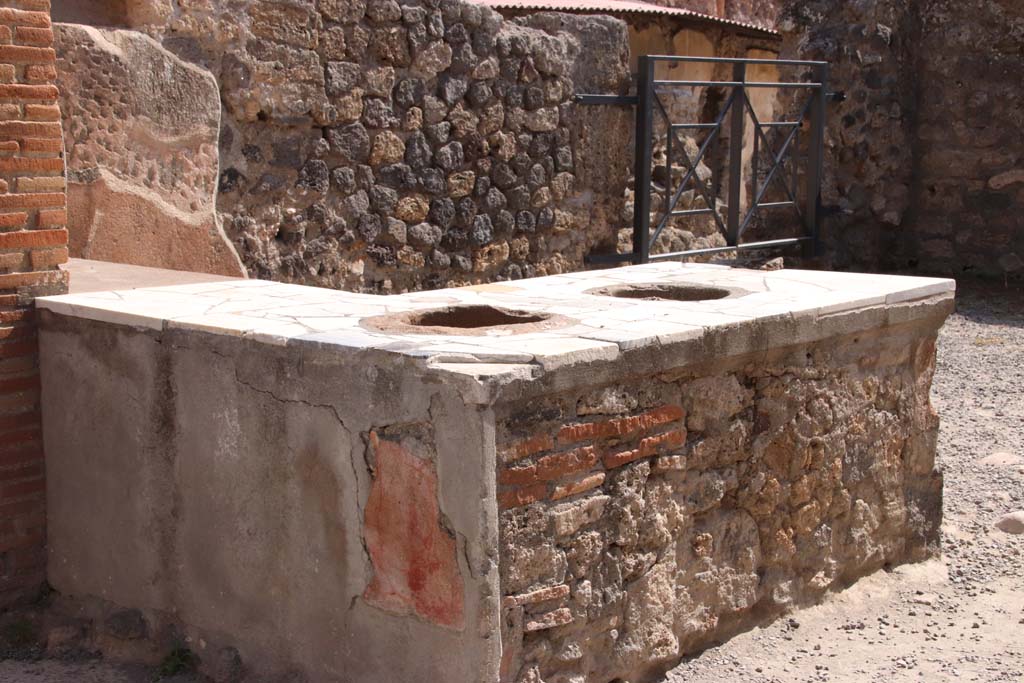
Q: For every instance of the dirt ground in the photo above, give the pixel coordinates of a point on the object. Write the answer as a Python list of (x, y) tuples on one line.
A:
[(956, 618)]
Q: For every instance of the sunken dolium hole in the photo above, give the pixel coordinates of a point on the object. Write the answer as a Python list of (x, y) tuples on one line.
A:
[(664, 292), (468, 320), (473, 317)]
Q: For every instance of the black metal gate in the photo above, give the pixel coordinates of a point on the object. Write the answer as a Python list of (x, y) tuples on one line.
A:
[(800, 182)]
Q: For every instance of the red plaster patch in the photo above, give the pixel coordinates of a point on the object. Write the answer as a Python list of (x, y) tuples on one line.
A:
[(415, 570)]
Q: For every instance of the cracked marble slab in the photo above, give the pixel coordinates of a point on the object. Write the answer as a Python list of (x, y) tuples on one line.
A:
[(597, 328)]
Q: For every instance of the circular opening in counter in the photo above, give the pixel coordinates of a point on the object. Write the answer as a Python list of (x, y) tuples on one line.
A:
[(477, 319), (666, 292), (473, 317)]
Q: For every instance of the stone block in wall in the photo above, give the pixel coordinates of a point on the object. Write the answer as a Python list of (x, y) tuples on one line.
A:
[(141, 132)]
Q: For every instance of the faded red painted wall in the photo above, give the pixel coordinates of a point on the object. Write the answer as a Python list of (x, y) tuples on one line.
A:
[(415, 569), (32, 245)]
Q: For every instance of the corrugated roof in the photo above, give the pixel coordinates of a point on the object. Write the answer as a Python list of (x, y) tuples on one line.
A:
[(618, 7)]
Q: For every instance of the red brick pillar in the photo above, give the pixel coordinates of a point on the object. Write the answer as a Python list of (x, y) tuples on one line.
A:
[(33, 242)]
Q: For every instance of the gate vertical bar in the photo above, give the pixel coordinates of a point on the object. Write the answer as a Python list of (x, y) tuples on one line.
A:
[(794, 158), (739, 115), (668, 167), (755, 171), (642, 171), (815, 154)]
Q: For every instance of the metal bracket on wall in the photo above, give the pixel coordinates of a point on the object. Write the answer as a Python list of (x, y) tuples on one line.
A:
[(627, 100)]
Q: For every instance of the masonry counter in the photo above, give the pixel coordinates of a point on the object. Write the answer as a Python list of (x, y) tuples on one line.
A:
[(575, 478)]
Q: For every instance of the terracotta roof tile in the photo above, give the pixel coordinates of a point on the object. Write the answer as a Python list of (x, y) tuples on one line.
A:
[(617, 7)]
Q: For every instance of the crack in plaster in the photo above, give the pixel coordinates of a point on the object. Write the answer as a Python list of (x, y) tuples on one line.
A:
[(367, 565)]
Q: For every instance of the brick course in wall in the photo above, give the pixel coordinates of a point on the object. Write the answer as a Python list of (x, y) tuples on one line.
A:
[(33, 244), (585, 450), (640, 522)]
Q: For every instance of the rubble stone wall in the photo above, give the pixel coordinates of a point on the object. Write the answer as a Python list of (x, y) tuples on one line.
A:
[(969, 188), (752, 11), (644, 520), (323, 101), (33, 244), (922, 166), (869, 136), (384, 146)]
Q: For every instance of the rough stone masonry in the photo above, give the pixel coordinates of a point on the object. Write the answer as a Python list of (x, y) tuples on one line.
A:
[(923, 163), (922, 166), (363, 144), (315, 491), (645, 520)]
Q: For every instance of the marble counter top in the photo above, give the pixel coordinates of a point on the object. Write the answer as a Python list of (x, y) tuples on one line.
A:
[(593, 327)]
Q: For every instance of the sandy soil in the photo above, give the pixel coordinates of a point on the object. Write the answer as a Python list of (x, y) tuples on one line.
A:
[(956, 618)]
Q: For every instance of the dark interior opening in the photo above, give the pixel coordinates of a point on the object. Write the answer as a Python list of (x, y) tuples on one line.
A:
[(471, 317), (90, 12), (665, 292)]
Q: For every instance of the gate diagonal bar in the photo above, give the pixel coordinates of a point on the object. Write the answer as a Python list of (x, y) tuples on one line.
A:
[(783, 153), (691, 173)]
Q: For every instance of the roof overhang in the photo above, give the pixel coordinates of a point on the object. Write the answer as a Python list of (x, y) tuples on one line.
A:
[(625, 8)]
